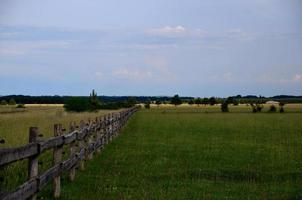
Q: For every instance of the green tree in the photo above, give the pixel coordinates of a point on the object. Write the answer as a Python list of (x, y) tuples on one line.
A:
[(176, 100), (94, 101), (225, 106), (212, 101), (205, 101), (3, 102), (198, 101), (12, 102), (281, 105), (191, 102), (77, 104), (158, 102)]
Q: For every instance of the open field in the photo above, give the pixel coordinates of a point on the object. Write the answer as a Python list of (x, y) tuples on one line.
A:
[(183, 153)]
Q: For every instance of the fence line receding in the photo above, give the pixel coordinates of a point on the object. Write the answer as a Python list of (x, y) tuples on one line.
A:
[(82, 141)]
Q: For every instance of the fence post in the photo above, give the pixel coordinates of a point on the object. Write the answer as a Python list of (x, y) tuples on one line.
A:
[(81, 145), (72, 152), (33, 166), (98, 134), (89, 155), (57, 158)]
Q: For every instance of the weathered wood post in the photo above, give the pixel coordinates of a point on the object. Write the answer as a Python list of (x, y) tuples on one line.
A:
[(57, 158), (89, 155), (33, 168), (81, 145), (98, 134), (72, 151)]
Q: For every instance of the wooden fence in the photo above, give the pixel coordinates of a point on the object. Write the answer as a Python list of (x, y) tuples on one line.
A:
[(82, 141)]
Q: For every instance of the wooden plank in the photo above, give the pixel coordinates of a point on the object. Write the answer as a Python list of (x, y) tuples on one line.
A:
[(51, 143), (24, 191), (9, 155), (69, 164), (71, 137), (49, 175)]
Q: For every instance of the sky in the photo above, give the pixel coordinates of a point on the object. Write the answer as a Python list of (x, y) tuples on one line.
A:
[(151, 47)]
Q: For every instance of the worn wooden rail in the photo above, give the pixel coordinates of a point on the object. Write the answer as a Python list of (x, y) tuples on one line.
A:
[(83, 141)]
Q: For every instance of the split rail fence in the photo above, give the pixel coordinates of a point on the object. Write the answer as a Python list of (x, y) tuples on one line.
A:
[(82, 141)]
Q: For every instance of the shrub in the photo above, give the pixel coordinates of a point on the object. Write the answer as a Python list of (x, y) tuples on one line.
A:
[(3, 102), (281, 110), (12, 102), (272, 108), (20, 106), (225, 106)]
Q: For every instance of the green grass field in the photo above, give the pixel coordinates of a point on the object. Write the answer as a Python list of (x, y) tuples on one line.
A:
[(196, 153)]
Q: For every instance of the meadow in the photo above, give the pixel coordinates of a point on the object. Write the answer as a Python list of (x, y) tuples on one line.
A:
[(185, 152)]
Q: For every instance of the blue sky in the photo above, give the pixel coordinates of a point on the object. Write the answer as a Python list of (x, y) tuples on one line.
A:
[(159, 47)]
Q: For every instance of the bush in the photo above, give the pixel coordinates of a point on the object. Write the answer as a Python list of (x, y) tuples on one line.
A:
[(281, 110), (3, 102), (272, 108), (20, 106), (225, 106)]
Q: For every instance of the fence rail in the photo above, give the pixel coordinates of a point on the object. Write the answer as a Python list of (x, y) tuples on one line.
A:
[(83, 141)]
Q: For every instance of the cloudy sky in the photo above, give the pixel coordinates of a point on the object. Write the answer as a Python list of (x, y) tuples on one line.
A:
[(151, 47)]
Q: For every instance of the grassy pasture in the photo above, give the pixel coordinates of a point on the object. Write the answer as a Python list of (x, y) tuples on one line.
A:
[(187, 152)]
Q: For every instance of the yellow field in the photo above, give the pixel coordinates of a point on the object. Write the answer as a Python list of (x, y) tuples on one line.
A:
[(15, 123)]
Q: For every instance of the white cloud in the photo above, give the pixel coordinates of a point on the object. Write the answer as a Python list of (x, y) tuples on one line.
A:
[(132, 73), (297, 77), (23, 47), (168, 31)]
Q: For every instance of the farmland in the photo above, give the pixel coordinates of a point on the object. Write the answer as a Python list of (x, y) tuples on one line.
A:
[(185, 152)]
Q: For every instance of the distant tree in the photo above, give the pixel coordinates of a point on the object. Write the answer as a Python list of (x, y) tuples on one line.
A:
[(12, 102), (235, 102), (256, 107), (225, 106), (20, 106), (205, 101), (281, 105), (198, 101), (212, 101), (230, 100), (176, 100), (147, 104), (3, 102), (191, 102), (77, 104), (158, 102), (272, 108), (131, 101), (94, 101)]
